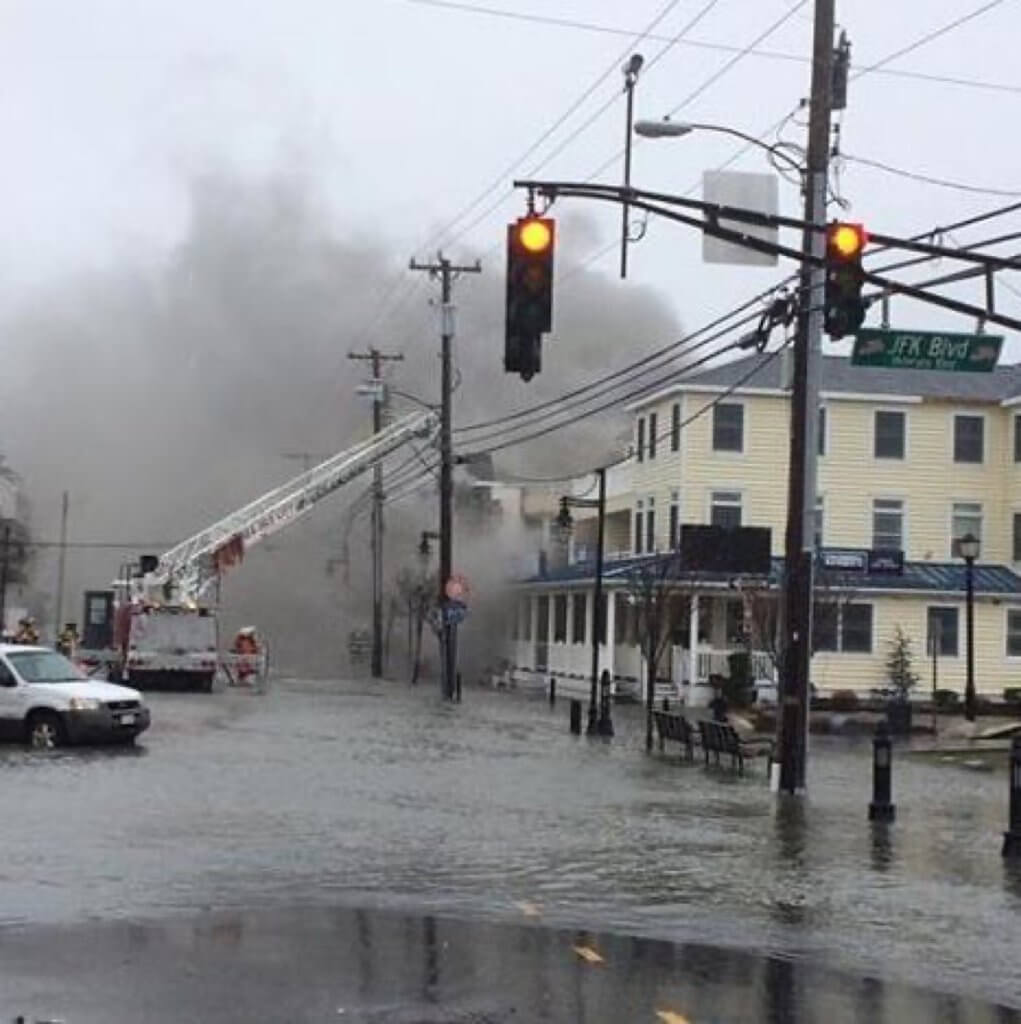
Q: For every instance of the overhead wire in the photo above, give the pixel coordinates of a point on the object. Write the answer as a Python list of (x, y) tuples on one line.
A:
[(701, 44), (929, 179)]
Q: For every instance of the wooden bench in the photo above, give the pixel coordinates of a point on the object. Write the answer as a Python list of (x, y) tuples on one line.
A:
[(720, 738), (672, 726)]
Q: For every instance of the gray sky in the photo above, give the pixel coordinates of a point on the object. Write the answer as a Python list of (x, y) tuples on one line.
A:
[(402, 113), (207, 204)]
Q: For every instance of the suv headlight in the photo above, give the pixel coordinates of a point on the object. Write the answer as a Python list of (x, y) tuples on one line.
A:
[(85, 704)]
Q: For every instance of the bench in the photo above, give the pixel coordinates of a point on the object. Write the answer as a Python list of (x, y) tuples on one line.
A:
[(720, 738), (675, 727)]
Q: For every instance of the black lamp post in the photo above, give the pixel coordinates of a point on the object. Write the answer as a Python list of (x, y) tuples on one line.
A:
[(968, 547), (565, 522)]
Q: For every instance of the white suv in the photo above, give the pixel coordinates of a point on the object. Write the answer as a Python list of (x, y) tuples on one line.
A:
[(46, 701)]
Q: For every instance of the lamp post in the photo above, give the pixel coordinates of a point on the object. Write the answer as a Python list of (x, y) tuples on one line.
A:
[(565, 522), (631, 69), (667, 129), (968, 548)]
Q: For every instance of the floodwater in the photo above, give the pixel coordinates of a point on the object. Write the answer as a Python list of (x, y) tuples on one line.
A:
[(380, 796)]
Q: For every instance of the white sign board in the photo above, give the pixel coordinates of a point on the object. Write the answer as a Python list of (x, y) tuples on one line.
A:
[(758, 192)]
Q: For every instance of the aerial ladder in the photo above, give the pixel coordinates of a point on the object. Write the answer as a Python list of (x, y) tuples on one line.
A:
[(153, 619)]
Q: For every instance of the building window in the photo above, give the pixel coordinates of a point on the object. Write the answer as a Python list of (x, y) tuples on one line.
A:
[(819, 517), (675, 520), (822, 430), (888, 524), (675, 427), (1017, 537), (1017, 438), (578, 620), (941, 629), (641, 438), (889, 435), (650, 526), (824, 627), (725, 508), (728, 427), (652, 435), (620, 617), (560, 619), (856, 629), (1013, 633), (967, 518), (969, 438), (638, 527), (526, 619)]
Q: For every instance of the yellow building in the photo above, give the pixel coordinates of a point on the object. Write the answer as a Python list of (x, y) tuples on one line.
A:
[(910, 461)]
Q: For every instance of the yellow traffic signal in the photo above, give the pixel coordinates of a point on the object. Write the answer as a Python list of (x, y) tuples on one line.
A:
[(846, 240), (535, 234)]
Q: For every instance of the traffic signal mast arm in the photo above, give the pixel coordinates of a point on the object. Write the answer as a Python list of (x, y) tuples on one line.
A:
[(661, 204), (192, 566)]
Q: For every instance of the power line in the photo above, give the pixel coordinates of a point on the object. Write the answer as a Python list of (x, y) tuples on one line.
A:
[(929, 179), (701, 44), (674, 350)]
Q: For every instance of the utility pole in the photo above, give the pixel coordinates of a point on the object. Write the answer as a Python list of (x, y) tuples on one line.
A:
[(447, 273), (61, 565), (378, 399), (792, 722)]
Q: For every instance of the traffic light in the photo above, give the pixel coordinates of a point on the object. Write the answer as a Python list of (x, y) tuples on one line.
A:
[(530, 244), (845, 309)]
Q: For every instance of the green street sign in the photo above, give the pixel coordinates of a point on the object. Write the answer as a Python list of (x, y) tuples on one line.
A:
[(926, 350)]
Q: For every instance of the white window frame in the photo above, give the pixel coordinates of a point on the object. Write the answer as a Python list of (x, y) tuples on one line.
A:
[(1006, 633), (839, 649), (981, 528), (961, 628), (903, 413), (722, 489), (965, 414), (903, 518), (728, 452)]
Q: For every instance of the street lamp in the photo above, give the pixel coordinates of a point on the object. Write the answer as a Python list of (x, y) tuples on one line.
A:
[(630, 69), (597, 723), (667, 129), (968, 548)]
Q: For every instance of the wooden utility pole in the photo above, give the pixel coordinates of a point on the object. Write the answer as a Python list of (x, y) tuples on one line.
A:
[(377, 359), (447, 273), (792, 721)]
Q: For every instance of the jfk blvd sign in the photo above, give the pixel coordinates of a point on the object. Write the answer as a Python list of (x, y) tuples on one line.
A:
[(926, 350)]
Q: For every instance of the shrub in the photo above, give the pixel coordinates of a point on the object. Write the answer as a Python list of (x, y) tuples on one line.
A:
[(844, 700), (1012, 695), (946, 698)]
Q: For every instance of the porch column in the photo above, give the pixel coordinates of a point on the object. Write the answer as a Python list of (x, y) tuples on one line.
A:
[(693, 641), (550, 605), (611, 631)]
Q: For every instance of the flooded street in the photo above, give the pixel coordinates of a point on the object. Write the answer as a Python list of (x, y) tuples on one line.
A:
[(362, 795)]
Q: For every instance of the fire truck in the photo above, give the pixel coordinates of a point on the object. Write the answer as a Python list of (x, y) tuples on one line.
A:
[(157, 626)]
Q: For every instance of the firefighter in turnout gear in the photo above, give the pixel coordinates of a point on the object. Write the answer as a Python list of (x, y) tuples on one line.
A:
[(27, 632)]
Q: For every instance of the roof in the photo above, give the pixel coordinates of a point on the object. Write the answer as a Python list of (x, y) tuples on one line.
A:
[(924, 577), (839, 375)]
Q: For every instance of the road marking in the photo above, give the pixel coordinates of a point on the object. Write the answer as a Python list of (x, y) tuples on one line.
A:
[(588, 954)]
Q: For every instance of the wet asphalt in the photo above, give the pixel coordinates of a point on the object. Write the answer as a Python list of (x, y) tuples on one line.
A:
[(313, 850)]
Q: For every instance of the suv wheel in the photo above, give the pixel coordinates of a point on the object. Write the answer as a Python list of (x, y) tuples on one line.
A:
[(45, 731)]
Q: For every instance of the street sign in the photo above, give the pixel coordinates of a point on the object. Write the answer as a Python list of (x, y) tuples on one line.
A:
[(926, 350), (373, 388), (875, 562), (454, 612)]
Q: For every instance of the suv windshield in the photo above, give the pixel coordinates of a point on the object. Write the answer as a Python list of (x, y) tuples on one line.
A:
[(45, 667)]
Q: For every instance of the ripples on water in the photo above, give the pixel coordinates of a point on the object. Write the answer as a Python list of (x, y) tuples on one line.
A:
[(320, 793)]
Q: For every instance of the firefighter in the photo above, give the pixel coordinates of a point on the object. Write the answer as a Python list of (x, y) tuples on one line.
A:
[(67, 642), (27, 632), (246, 643)]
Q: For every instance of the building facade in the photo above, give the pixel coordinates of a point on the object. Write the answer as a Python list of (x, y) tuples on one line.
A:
[(909, 462)]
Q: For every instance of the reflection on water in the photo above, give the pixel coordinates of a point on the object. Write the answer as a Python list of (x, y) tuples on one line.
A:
[(296, 966), (882, 848)]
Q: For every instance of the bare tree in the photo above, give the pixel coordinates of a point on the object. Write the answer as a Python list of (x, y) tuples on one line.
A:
[(417, 593), (762, 612), (652, 586)]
